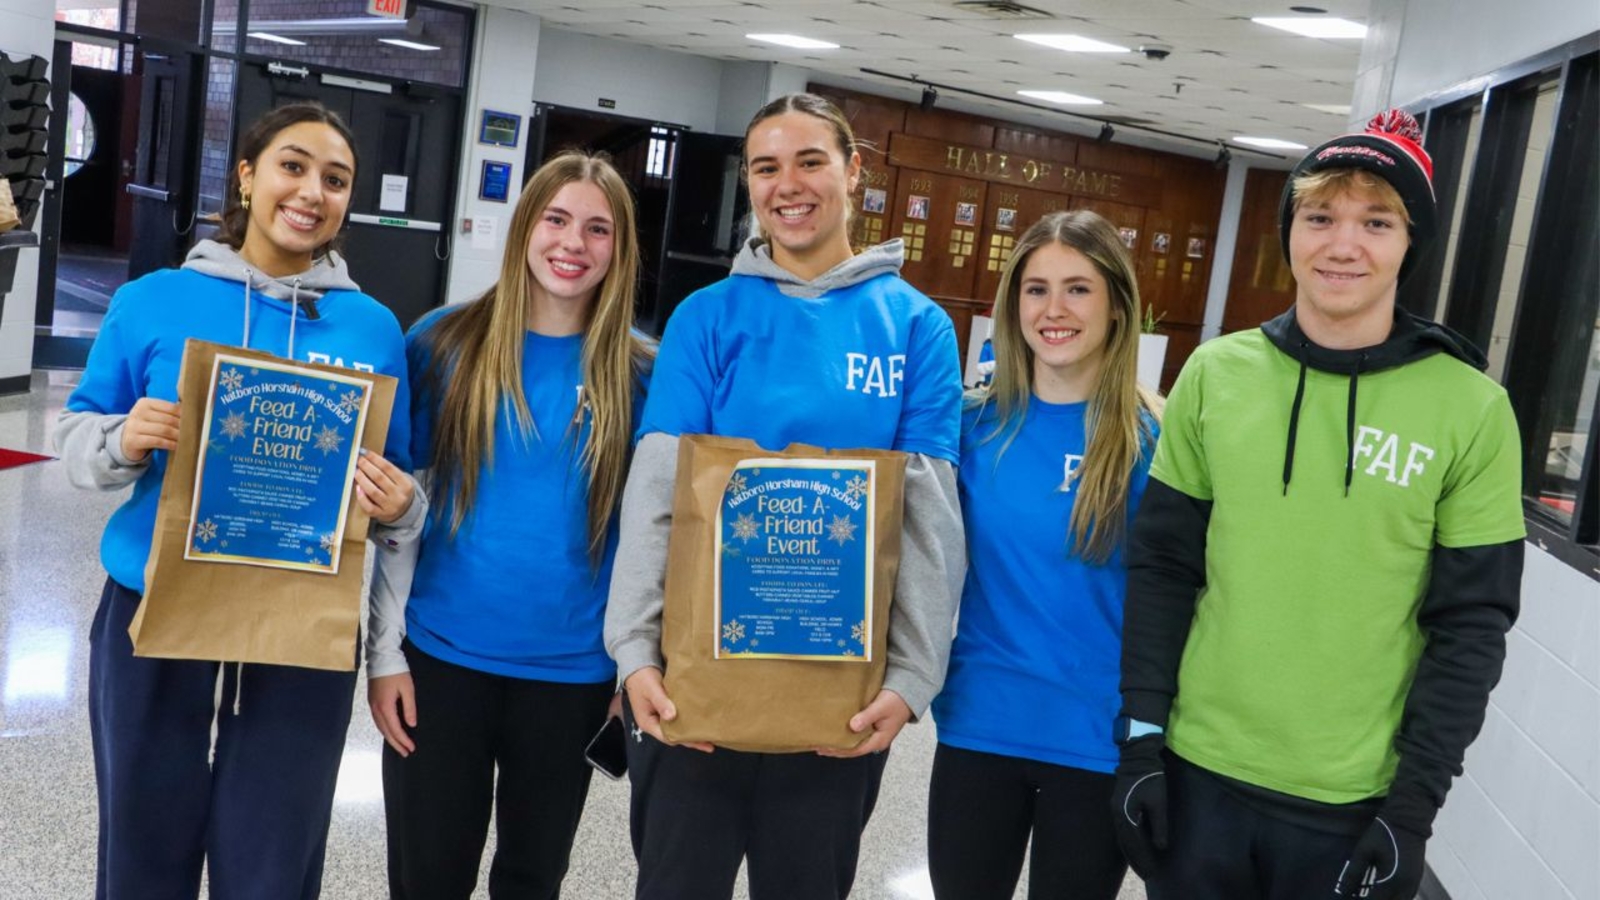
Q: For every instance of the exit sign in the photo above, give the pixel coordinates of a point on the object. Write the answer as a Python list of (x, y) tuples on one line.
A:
[(388, 9)]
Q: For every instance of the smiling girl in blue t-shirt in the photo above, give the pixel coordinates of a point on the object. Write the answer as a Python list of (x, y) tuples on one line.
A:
[(1055, 453), (487, 672)]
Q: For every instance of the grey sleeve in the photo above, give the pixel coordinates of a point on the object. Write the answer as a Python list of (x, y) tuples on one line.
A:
[(639, 575), (398, 545), (91, 446), (933, 564)]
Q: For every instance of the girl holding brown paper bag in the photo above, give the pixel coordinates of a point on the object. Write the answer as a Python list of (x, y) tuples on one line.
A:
[(1055, 454), (807, 341), (484, 652), (254, 807)]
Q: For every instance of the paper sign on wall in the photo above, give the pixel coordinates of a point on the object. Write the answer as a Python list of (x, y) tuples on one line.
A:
[(485, 232), (393, 196)]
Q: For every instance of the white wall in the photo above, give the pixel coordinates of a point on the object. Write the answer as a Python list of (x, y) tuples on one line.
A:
[(27, 28), (1444, 43), (502, 75), (1524, 821), (577, 70)]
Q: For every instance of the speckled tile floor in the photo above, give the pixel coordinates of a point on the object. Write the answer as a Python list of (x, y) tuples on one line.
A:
[(50, 579)]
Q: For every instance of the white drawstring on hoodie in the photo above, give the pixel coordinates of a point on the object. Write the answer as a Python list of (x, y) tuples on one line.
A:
[(222, 670)]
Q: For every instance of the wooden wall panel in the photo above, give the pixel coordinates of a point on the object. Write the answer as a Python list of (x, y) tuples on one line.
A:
[(944, 125), (1262, 285), (941, 254), (1036, 144), (996, 243), (1152, 192)]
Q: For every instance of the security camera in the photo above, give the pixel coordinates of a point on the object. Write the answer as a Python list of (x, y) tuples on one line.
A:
[(1157, 52)]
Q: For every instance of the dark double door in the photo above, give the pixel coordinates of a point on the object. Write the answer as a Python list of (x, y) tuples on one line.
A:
[(403, 131)]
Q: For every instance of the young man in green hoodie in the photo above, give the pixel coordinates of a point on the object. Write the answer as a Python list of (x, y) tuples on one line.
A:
[(1307, 657)]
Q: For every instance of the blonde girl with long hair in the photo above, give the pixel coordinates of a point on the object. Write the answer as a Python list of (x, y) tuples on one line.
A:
[(1055, 453), (484, 649)]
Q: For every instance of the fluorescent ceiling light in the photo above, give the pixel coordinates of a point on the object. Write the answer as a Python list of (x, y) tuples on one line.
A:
[(1268, 143), (1073, 43), (793, 40), (1315, 26), (409, 45), (1062, 97), (1338, 109), (276, 39)]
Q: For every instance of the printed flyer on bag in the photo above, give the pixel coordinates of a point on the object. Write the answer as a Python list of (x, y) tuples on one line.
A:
[(278, 455), (794, 561)]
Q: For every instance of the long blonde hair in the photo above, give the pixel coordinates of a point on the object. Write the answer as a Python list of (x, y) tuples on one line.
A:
[(475, 372), (1116, 424)]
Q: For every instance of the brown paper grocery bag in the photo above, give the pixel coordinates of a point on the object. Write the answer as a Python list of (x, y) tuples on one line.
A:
[(197, 609), (727, 693)]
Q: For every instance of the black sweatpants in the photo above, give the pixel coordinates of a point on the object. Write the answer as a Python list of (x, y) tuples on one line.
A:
[(796, 818), (256, 815), (437, 801), (1220, 848), (982, 808)]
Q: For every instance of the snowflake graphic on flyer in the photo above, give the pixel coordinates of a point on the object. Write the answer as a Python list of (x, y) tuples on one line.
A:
[(841, 529), (328, 440), (745, 527)]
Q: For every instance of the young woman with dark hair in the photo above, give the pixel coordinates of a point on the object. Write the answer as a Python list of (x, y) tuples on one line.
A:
[(244, 788)]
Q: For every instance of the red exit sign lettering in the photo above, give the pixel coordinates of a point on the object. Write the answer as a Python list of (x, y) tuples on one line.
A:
[(388, 9)]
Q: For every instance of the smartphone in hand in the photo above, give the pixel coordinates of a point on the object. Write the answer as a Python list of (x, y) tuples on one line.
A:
[(607, 750)]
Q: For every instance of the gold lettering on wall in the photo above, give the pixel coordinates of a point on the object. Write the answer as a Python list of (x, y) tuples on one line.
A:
[(914, 152), (969, 193), (1010, 199), (922, 185)]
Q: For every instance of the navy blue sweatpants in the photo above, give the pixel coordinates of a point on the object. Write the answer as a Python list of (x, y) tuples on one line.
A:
[(258, 814)]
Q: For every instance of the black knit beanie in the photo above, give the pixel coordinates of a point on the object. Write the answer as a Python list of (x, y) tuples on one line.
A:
[(1389, 149)]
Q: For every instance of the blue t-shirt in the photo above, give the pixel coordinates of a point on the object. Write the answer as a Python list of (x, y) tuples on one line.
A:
[(513, 592), (140, 347), (1037, 657), (872, 365)]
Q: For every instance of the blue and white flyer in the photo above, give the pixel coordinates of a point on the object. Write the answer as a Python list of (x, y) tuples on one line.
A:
[(795, 560), (277, 459)]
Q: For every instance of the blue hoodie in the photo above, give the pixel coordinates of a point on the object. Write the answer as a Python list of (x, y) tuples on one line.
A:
[(317, 316)]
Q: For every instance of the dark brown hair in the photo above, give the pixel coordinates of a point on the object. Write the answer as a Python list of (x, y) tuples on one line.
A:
[(254, 142), (811, 105)]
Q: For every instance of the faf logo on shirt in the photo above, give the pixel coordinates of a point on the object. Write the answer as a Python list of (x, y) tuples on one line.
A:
[(1069, 473), (877, 375), (1383, 449)]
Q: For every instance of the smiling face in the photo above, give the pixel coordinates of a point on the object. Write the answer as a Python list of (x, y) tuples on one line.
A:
[(570, 248), (1345, 252), (800, 185), (1064, 308), (299, 189)]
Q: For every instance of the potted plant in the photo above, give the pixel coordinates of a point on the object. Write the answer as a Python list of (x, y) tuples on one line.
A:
[(1152, 348)]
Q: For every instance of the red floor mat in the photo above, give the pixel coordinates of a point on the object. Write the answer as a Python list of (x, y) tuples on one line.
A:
[(11, 458)]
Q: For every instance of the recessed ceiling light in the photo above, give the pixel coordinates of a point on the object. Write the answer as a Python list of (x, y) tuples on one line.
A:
[(1268, 143), (793, 40), (1062, 97), (1338, 109), (409, 45), (276, 39), (1318, 27), (1308, 10), (1073, 43)]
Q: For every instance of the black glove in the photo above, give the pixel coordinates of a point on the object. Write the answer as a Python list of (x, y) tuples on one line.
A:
[(1386, 864), (1139, 802)]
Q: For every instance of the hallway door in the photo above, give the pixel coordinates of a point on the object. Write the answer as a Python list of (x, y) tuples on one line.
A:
[(397, 240), (166, 161)]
